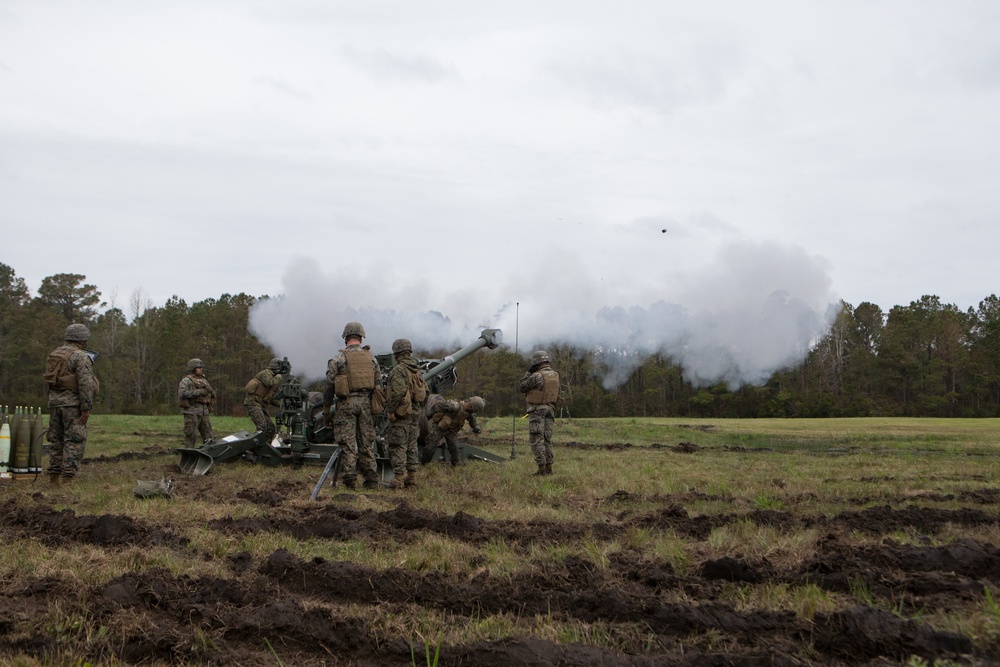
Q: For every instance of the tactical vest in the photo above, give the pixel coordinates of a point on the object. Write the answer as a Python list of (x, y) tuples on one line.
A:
[(257, 389), (57, 371), (199, 383), (549, 392), (360, 373)]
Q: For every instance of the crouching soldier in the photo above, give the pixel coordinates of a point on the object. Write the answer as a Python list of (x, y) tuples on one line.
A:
[(445, 418), (260, 394)]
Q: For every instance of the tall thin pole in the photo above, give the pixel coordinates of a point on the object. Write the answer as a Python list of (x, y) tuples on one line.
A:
[(513, 426)]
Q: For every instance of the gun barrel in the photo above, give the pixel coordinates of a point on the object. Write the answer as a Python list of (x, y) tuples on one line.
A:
[(490, 338)]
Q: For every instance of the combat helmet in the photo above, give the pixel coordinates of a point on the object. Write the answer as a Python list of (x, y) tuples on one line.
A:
[(401, 345), (539, 357), (274, 365), (195, 363), (477, 403), (353, 329), (78, 333)]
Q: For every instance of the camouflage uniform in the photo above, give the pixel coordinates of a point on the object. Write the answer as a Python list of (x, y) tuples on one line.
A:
[(197, 399), (445, 418), (403, 430), (353, 429), (256, 403), (541, 410), (67, 435)]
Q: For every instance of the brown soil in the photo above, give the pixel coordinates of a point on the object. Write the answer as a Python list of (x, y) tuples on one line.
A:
[(283, 609)]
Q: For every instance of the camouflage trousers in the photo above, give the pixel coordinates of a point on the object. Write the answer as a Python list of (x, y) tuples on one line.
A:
[(195, 425), (261, 420), (450, 438), (354, 432), (541, 420), (67, 440), (402, 441)]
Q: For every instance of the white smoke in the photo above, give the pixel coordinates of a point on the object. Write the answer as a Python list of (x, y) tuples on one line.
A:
[(756, 309)]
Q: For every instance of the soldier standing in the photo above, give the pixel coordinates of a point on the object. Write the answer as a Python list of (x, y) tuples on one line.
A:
[(197, 400), (445, 418), (69, 373), (260, 394), (351, 376), (541, 387), (407, 393)]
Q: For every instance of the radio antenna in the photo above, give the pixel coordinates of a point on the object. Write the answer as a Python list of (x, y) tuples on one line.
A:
[(513, 426)]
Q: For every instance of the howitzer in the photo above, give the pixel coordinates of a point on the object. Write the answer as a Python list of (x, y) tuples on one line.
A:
[(306, 439)]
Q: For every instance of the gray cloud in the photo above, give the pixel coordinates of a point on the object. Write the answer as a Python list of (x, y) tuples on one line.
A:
[(382, 64)]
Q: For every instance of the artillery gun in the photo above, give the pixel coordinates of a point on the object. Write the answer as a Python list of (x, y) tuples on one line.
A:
[(303, 437)]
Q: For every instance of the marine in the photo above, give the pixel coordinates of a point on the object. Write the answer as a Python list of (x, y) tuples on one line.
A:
[(197, 400), (260, 394), (540, 385), (406, 394), (351, 376), (69, 374), (445, 418)]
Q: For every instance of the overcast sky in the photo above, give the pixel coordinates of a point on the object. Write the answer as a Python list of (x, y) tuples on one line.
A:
[(464, 157)]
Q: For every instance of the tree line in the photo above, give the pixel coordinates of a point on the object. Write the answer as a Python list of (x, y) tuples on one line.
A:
[(924, 359)]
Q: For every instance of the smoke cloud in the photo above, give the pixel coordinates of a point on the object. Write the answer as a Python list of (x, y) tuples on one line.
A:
[(754, 309)]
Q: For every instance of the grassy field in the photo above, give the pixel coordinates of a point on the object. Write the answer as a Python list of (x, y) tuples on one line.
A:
[(628, 497)]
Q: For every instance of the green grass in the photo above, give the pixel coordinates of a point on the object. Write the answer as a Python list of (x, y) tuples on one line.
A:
[(804, 467)]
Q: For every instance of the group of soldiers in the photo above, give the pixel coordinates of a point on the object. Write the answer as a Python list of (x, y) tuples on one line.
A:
[(352, 378)]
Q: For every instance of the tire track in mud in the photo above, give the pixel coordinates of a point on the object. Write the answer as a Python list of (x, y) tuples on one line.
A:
[(288, 607), (64, 527), (342, 522), (288, 600), (576, 590)]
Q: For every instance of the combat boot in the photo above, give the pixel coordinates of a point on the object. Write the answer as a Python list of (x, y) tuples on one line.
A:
[(349, 484), (411, 479), (397, 483), (541, 471), (371, 484), (55, 480), (548, 468)]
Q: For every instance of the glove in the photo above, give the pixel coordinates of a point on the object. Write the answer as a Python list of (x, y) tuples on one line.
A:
[(203, 392), (477, 431)]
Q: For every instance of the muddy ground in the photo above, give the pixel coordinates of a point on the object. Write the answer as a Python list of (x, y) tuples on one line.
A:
[(282, 609)]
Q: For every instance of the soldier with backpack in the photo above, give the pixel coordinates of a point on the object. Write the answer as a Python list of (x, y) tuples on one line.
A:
[(406, 394), (69, 374)]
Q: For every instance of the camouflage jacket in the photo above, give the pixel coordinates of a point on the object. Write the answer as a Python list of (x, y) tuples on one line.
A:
[(269, 381), (80, 364), (449, 415), (190, 391), (397, 384)]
